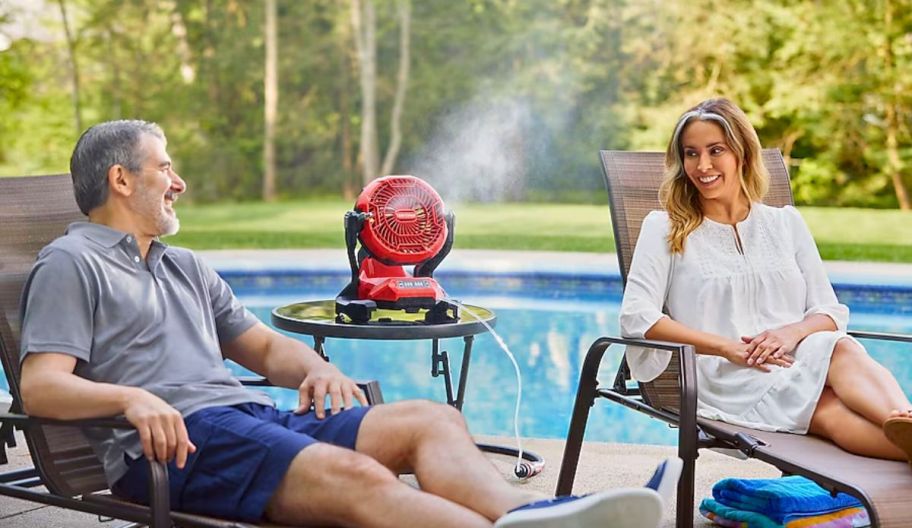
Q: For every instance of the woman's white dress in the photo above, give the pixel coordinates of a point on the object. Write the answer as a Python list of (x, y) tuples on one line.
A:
[(778, 279)]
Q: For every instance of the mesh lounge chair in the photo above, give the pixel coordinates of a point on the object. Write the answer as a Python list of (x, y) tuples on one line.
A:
[(34, 211), (884, 487)]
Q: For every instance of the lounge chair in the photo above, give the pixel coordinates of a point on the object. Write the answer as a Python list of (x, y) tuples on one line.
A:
[(884, 487), (34, 211)]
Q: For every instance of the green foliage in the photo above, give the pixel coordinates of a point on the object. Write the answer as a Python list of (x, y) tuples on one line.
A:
[(829, 83), (36, 130)]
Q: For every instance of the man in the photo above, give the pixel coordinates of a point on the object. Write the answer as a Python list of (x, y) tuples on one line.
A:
[(117, 323)]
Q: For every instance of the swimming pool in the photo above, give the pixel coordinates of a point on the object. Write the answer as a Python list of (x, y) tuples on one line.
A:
[(549, 312), (548, 319)]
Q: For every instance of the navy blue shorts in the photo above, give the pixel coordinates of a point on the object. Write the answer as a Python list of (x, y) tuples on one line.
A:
[(242, 453)]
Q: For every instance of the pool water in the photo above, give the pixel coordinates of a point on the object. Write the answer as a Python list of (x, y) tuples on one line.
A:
[(549, 338), (548, 321)]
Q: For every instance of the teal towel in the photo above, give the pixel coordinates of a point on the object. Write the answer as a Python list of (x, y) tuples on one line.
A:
[(730, 517), (779, 498), (722, 515)]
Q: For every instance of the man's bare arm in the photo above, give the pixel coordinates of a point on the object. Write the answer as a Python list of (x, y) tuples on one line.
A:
[(50, 389), (290, 363)]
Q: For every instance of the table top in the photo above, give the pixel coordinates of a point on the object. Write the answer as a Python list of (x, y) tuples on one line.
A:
[(318, 318)]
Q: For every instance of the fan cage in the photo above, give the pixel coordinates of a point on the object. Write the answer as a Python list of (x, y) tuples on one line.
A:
[(408, 222)]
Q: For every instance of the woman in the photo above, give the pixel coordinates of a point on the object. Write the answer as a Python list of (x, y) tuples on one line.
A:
[(744, 284)]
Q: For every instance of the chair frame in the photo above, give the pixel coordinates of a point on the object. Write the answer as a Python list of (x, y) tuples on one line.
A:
[(672, 397)]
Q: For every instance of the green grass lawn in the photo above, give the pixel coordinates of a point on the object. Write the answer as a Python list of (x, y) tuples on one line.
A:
[(841, 233)]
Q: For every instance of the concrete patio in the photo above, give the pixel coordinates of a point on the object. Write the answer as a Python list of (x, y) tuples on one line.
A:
[(602, 466)]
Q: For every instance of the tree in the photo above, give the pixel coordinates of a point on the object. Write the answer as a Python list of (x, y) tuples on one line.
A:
[(364, 26), (74, 66), (271, 91), (364, 32), (893, 108), (404, 12), (515, 95)]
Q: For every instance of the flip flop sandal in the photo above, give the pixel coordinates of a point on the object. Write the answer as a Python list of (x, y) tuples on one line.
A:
[(899, 431)]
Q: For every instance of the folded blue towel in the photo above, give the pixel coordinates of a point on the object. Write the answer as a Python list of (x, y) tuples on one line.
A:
[(779, 498)]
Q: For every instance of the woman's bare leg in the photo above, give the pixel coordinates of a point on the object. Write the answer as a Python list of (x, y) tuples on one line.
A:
[(864, 385), (832, 419)]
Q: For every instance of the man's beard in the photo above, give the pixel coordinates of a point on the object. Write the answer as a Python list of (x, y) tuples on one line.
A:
[(151, 205), (169, 225)]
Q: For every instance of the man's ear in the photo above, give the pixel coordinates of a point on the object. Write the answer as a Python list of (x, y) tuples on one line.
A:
[(120, 180)]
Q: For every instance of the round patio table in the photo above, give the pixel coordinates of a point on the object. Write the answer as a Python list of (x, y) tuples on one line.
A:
[(318, 319)]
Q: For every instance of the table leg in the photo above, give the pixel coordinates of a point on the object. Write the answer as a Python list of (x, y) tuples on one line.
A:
[(440, 364), (318, 347), (464, 370)]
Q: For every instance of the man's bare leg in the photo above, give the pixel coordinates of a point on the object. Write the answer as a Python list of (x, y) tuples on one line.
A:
[(431, 439), (328, 485)]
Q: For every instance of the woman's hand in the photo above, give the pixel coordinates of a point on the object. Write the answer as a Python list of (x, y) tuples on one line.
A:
[(740, 354), (771, 345)]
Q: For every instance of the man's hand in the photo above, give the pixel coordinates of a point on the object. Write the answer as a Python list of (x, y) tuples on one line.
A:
[(771, 344), (51, 389), (739, 354), (161, 428), (326, 380), (286, 362)]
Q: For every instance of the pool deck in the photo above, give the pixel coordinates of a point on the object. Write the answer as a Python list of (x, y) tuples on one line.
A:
[(602, 466)]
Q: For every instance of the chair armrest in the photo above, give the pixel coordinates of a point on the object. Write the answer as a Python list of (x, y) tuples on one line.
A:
[(686, 367), (646, 343), (255, 381), (881, 336), (371, 388), (9, 421), (159, 492), (686, 373), (23, 420)]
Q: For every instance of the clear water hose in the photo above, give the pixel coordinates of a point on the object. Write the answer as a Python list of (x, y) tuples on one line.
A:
[(523, 469)]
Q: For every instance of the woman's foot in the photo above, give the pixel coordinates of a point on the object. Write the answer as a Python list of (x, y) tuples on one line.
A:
[(898, 429)]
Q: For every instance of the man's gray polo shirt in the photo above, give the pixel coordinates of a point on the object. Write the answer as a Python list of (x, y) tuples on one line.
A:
[(154, 323)]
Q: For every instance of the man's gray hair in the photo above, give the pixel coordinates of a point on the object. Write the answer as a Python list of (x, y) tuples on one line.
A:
[(100, 148)]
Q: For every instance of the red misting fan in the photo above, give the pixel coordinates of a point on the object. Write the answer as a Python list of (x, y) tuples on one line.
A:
[(399, 221)]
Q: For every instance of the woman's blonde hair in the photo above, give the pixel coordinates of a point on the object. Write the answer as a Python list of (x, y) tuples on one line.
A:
[(679, 196)]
